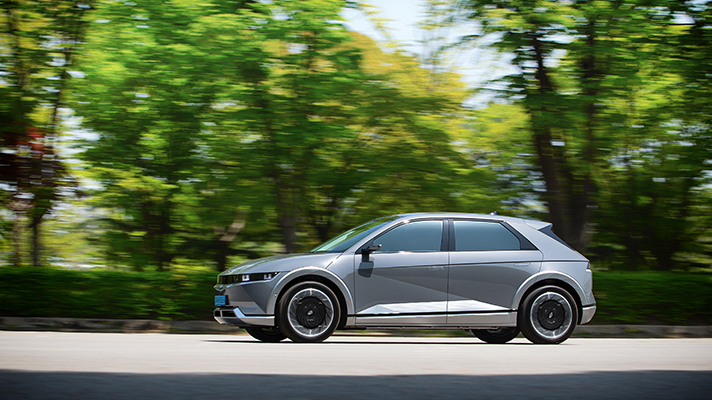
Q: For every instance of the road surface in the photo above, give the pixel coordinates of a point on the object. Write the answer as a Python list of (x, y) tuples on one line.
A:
[(56, 365)]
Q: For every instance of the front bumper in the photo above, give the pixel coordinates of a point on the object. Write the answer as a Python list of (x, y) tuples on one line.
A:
[(233, 316)]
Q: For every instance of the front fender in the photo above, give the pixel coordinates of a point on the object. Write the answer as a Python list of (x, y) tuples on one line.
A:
[(305, 271), (544, 275)]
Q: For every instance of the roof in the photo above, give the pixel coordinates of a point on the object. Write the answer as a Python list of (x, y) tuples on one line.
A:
[(533, 223)]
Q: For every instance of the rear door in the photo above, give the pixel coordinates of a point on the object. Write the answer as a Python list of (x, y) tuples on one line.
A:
[(489, 260)]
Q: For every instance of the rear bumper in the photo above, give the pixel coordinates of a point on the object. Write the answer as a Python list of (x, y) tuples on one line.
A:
[(233, 316), (587, 314)]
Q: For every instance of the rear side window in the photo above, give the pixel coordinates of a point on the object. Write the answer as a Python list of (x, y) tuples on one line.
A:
[(482, 236), (414, 236)]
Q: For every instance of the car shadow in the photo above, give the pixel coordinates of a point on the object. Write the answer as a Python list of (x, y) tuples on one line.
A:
[(377, 342)]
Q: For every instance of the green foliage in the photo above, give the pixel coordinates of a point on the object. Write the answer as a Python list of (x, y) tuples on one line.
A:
[(497, 142), (147, 89), (225, 130), (38, 40), (100, 293), (405, 149), (618, 117), (671, 298), (291, 130)]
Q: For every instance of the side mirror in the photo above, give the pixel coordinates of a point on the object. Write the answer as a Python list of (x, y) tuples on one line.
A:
[(366, 251), (372, 248)]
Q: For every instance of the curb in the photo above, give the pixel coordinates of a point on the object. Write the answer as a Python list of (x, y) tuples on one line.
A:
[(643, 331), (112, 325), (155, 326)]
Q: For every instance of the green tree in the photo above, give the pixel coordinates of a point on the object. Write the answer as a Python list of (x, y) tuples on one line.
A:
[(153, 77), (530, 30), (601, 84), (658, 175), (290, 125), (38, 42), (342, 126), (414, 121)]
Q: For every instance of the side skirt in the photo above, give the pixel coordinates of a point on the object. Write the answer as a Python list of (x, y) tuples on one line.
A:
[(435, 321)]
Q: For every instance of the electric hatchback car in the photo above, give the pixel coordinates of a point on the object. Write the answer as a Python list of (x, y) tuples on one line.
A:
[(490, 274)]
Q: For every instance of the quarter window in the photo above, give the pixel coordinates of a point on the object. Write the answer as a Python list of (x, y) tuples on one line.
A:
[(481, 236), (413, 236)]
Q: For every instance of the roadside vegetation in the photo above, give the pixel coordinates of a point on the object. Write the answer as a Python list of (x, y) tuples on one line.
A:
[(665, 298)]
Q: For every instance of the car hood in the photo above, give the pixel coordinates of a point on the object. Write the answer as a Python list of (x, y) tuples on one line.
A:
[(283, 263)]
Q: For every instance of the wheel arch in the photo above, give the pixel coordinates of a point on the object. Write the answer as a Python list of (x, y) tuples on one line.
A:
[(316, 274), (550, 278)]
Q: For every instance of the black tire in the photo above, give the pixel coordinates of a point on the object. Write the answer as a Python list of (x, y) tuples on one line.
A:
[(308, 312), (269, 335), (548, 315), (496, 336)]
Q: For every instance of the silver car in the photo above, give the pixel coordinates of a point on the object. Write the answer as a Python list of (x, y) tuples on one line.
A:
[(490, 274)]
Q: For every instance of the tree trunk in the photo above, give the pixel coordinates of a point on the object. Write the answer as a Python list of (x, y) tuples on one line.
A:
[(221, 256), (286, 212), (591, 74), (550, 163), (17, 239), (567, 192), (227, 236), (35, 224), (555, 194)]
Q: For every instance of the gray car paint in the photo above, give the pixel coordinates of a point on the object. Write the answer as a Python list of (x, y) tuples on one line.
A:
[(402, 283), (417, 283), (284, 262), (490, 277)]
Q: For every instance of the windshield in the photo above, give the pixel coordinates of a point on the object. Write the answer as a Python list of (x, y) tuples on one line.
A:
[(350, 237)]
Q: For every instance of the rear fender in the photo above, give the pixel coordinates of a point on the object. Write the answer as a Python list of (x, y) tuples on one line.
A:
[(548, 275)]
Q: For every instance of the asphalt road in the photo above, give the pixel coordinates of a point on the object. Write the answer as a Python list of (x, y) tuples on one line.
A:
[(55, 365)]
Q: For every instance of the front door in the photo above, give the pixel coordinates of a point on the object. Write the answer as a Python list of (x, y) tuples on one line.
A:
[(404, 283)]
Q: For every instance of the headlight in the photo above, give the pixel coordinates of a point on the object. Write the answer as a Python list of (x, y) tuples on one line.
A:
[(243, 278)]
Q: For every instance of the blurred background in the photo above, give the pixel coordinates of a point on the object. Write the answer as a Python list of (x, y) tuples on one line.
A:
[(147, 145)]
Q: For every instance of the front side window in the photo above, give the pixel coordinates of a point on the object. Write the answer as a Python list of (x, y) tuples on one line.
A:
[(413, 236), (482, 236), (352, 236)]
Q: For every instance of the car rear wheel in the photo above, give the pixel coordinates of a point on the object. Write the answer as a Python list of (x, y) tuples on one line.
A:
[(548, 315), (496, 336), (308, 312), (270, 335)]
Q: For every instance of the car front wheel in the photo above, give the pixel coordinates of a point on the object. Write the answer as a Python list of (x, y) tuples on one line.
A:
[(548, 315), (308, 312), (496, 336)]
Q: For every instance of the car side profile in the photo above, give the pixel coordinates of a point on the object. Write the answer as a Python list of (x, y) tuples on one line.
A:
[(494, 275)]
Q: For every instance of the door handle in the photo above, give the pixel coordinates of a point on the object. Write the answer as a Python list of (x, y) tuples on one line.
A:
[(521, 264)]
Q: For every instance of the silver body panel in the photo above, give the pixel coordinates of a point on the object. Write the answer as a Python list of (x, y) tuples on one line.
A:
[(234, 316), (587, 314), (419, 289), (412, 286), (483, 320), (491, 277)]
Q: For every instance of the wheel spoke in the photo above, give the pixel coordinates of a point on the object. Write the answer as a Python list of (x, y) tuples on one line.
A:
[(311, 312), (551, 315)]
